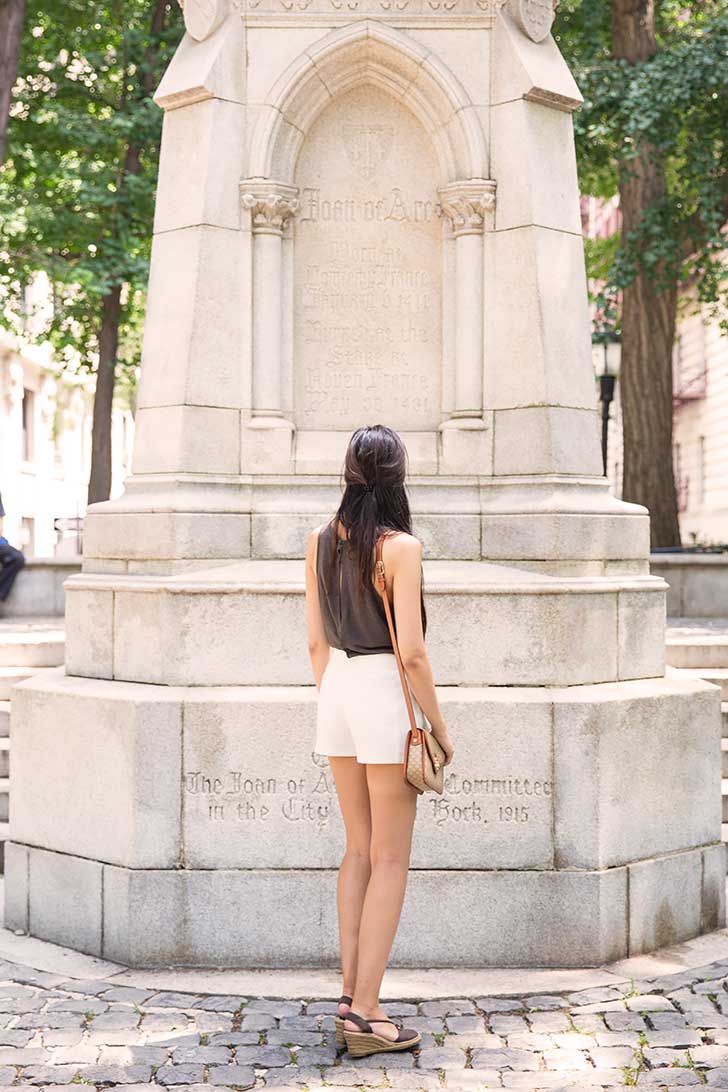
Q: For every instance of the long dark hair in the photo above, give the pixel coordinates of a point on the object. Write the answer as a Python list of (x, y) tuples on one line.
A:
[(375, 497)]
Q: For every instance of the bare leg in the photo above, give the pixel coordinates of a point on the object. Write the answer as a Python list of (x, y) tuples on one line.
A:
[(393, 806), (351, 788)]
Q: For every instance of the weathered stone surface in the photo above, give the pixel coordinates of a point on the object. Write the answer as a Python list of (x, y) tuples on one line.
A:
[(532, 144), (126, 804), (16, 886), (523, 257), (210, 193), (192, 272), (374, 213), (136, 902), (665, 901), (89, 645), (221, 625), (235, 820), (676, 733), (64, 901)]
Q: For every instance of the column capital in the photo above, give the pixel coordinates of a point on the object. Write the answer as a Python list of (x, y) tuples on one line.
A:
[(469, 205), (271, 204)]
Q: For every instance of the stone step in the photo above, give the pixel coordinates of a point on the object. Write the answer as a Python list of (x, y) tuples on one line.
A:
[(9, 676), (716, 675), (32, 642), (36, 650), (4, 836), (699, 652), (4, 719), (4, 799), (724, 757), (4, 757)]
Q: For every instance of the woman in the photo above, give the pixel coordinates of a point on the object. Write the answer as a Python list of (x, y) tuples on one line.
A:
[(362, 720)]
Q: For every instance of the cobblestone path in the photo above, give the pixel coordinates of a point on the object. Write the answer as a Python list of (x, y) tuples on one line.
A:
[(663, 1034)]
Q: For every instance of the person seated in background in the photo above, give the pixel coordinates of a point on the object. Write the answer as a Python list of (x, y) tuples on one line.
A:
[(11, 560)]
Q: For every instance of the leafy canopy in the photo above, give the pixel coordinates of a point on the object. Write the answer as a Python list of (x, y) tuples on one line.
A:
[(77, 192), (674, 108)]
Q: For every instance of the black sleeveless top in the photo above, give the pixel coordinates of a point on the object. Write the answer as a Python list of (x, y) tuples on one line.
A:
[(353, 622)]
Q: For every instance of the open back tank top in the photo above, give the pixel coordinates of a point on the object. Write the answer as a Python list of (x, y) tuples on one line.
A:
[(355, 623)]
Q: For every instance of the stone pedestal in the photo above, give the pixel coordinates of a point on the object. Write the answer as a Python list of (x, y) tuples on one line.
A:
[(365, 214)]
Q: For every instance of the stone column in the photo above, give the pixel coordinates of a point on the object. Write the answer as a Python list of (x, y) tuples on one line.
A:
[(271, 205), (468, 205)]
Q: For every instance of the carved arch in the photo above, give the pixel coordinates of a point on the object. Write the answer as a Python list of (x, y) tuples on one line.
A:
[(369, 52)]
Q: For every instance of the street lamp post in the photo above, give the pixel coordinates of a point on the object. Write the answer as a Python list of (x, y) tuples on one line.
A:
[(607, 353)]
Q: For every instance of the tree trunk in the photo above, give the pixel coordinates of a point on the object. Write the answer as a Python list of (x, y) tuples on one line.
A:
[(12, 17), (99, 486), (648, 316)]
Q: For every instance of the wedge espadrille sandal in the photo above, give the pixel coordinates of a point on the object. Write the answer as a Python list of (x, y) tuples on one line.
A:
[(339, 1020), (366, 1041)]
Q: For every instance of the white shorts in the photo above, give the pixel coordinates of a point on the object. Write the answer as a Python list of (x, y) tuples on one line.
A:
[(361, 709)]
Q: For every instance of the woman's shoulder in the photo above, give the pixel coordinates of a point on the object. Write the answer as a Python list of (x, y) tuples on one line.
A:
[(316, 531), (313, 541), (403, 544)]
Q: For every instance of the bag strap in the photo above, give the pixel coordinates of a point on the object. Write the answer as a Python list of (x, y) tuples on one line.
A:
[(382, 588)]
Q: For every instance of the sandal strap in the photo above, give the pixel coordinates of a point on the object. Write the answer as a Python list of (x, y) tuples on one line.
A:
[(366, 1026), (345, 999), (360, 1022)]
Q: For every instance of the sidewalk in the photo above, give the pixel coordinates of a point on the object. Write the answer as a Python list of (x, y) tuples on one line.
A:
[(658, 1022)]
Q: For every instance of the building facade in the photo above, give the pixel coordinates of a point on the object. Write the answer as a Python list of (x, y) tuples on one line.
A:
[(45, 450)]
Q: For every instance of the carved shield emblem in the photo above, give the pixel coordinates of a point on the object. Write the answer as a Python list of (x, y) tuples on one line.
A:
[(367, 147), (202, 17), (534, 17)]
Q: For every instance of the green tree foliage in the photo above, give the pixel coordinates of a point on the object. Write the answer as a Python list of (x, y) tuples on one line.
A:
[(77, 191), (653, 129)]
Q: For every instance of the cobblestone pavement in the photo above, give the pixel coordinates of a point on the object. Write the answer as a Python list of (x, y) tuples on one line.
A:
[(663, 1034)]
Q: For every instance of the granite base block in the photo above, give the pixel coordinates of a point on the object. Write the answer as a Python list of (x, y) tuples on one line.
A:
[(287, 917), (587, 778)]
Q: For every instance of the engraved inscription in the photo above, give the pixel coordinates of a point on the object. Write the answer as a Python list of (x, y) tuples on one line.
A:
[(471, 799), (237, 797), (367, 277)]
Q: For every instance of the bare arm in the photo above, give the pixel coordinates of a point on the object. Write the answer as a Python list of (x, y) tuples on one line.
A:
[(402, 557), (318, 646)]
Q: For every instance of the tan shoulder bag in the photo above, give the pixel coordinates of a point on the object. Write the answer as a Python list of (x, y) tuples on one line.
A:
[(424, 758)]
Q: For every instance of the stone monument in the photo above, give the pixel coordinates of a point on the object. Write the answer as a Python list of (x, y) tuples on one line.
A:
[(367, 211)]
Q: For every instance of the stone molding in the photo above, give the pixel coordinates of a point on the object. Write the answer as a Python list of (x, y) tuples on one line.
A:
[(368, 51), (435, 10), (203, 17), (271, 204), (469, 205), (533, 17)]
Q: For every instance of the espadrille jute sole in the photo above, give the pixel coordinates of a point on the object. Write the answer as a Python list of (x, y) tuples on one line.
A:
[(339, 1025), (361, 1043)]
